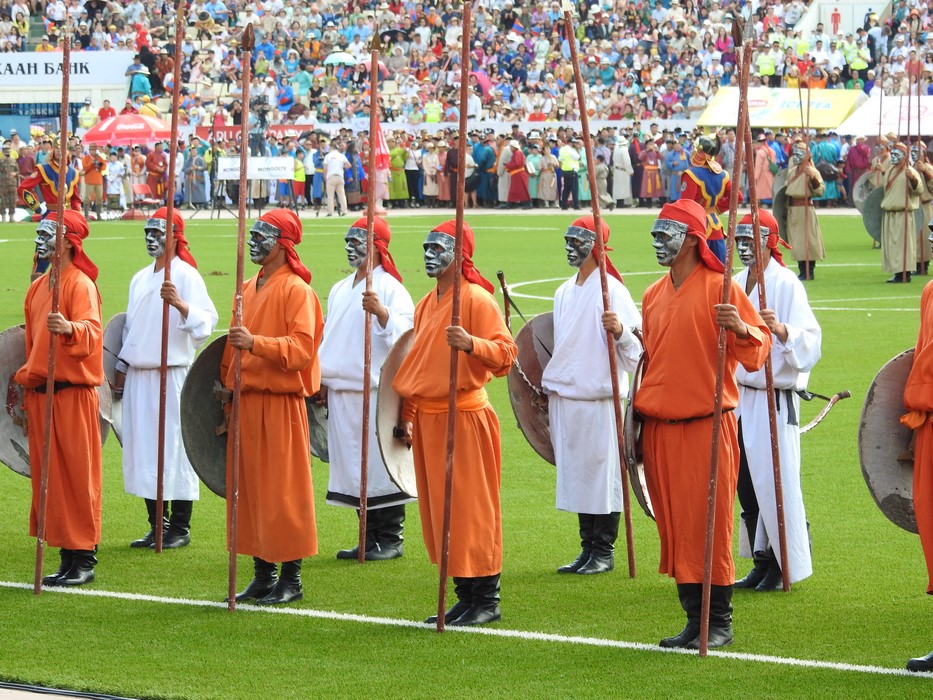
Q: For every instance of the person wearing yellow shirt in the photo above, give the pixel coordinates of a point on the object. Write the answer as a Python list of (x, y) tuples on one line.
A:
[(87, 118), (766, 65)]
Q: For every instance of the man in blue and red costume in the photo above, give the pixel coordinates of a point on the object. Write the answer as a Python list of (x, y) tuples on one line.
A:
[(45, 203), (707, 184)]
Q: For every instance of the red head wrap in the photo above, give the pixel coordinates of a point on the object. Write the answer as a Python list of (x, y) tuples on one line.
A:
[(449, 228), (289, 226), (766, 220), (76, 230), (693, 215), (587, 222), (182, 249), (381, 237)]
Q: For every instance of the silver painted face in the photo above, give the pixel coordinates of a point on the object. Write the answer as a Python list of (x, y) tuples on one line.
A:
[(155, 237), (745, 243), (579, 245), (262, 239), (45, 239), (355, 247), (897, 155), (438, 253), (914, 154), (668, 238), (799, 153)]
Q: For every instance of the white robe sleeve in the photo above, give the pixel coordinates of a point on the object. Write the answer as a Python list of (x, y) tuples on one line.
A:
[(202, 315), (401, 312), (802, 349), (628, 348)]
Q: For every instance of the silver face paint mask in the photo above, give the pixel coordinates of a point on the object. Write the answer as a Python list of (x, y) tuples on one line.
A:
[(579, 244), (914, 154), (45, 239), (356, 247), (896, 156), (799, 154), (155, 237), (669, 238), (262, 239), (745, 243), (438, 253)]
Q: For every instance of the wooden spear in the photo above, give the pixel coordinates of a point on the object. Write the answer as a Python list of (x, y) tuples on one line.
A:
[(247, 41), (375, 48), (56, 282), (167, 272), (745, 51), (600, 251), (809, 158), (455, 313), (907, 216), (769, 366)]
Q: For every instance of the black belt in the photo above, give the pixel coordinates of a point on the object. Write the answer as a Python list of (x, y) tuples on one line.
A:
[(788, 402), (59, 386), (675, 421)]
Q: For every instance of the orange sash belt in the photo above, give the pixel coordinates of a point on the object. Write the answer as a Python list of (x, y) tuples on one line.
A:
[(466, 401)]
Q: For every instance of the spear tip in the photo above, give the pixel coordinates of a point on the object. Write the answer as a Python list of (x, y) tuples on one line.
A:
[(248, 40), (738, 31), (376, 44)]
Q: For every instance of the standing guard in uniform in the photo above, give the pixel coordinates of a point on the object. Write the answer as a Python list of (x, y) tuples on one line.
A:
[(902, 188), (342, 363), (795, 350), (9, 179), (475, 555), (706, 183), (279, 340), (582, 417), (191, 321), (73, 515), (804, 182), (923, 166)]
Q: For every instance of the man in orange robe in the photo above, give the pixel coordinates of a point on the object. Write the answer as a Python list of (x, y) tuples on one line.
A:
[(918, 398), (681, 318), (73, 508), (475, 554), (279, 339)]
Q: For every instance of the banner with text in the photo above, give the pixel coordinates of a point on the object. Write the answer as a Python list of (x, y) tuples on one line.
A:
[(257, 168), (780, 107), (34, 69)]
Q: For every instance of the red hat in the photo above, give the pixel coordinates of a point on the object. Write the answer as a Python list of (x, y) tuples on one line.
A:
[(289, 226), (589, 224), (381, 237), (449, 228), (766, 220), (688, 212), (76, 230), (182, 249)]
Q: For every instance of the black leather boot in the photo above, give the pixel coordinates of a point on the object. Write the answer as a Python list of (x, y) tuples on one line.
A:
[(802, 269), (148, 539), (691, 600), (389, 525), (81, 570), (372, 520), (586, 545), (757, 574), (605, 532), (720, 619), (921, 664), (773, 580), (265, 576), (67, 557), (463, 587), (288, 587), (899, 278), (179, 526), (485, 607)]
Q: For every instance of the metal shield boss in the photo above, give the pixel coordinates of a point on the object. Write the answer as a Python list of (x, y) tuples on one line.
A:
[(398, 459), (884, 444), (632, 428), (872, 213), (112, 412), (535, 341)]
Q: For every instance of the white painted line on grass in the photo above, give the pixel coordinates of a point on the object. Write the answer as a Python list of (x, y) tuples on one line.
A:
[(872, 309), (486, 631)]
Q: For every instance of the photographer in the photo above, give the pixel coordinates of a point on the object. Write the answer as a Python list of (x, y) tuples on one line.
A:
[(95, 167), (258, 123)]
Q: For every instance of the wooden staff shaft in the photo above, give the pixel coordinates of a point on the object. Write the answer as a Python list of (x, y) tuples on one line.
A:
[(907, 216), (600, 250), (368, 320), (233, 494), (742, 123), (769, 369), (167, 272), (56, 282), (455, 314)]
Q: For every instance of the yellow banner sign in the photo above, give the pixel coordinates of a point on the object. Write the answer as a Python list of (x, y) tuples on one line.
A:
[(780, 107)]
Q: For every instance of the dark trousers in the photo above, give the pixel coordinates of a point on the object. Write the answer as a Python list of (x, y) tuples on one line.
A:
[(746, 489), (568, 188)]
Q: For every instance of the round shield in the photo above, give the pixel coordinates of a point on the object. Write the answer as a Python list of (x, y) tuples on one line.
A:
[(872, 213), (862, 188), (14, 445), (920, 226), (779, 209), (535, 342), (202, 418), (780, 180), (633, 455), (317, 429), (112, 412), (400, 464), (884, 444)]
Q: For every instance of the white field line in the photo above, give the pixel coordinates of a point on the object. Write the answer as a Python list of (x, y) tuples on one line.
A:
[(487, 631)]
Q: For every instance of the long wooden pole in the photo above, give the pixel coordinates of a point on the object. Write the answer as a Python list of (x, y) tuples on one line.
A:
[(769, 369), (56, 282), (455, 315), (232, 497), (742, 122), (167, 272), (375, 48), (600, 251), (806, 200), (907, 216)]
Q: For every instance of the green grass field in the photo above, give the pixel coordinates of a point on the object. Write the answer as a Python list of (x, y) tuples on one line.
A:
[(864, 604)]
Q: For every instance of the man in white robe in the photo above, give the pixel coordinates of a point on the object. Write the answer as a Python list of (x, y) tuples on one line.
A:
[(341, 356), (796, 350), (502, 171), (577, 381), (622, 174), (191, 321)]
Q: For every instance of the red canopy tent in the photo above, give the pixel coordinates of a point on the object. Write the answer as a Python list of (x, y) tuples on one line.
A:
[(128, 130)]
